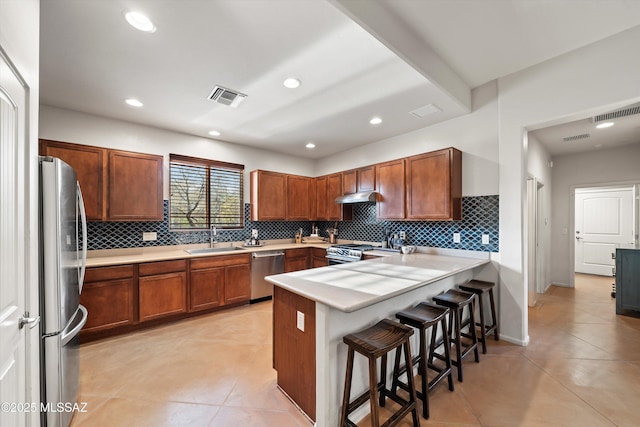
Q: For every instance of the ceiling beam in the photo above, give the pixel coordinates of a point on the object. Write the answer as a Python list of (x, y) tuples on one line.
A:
[(398, 37)]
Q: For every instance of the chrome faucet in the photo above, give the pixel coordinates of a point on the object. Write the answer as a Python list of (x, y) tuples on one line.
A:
[(212, 236)]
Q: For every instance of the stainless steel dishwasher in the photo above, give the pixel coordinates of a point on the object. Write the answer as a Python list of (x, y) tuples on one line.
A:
[(263, 264)]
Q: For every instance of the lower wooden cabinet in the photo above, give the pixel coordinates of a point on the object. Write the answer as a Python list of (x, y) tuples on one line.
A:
[(318, 257), (108, 295), (237, 284), (219, 280), (296, 259), (162, 288)]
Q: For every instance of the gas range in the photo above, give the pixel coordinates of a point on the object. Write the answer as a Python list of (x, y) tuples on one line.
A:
[(340, 254)]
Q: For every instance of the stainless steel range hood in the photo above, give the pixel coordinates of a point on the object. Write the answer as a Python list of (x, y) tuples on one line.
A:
[(362, 197)]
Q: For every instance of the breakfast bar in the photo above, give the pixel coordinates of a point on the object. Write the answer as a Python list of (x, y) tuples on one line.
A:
[(314, 309)]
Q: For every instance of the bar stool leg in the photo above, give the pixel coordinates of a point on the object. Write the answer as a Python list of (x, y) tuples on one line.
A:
[(373, 390), (347, 388), (422, 368), (412, 392), (496, 334), (447, 351), (483, 328), (383, 379), (458, 340), (474, 336)]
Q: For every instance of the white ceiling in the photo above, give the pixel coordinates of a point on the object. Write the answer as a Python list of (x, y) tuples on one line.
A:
[(412, 53)]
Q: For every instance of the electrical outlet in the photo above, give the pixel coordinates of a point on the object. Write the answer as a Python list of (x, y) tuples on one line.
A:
[(485, 239), (149, 236), (403, 235), (456, 237), (300, 320)]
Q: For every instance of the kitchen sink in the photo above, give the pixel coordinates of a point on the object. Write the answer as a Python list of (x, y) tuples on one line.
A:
[(212, 250)]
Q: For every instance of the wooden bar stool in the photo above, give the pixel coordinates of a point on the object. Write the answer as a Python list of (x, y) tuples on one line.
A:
[(423, 317), (373, 343), (479, 287), (456, 301)]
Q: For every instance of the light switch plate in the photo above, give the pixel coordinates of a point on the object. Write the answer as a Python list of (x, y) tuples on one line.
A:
[(485, 239), (300, 320), (456, 237), (149, 236)]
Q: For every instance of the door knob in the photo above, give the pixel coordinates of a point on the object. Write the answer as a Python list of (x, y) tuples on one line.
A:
[(26, 320)]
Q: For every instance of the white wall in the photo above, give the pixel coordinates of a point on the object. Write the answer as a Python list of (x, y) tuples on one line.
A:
[(603, 74), (475, 134), (538, 159), (616, 165), (81, 128), (20, 39)]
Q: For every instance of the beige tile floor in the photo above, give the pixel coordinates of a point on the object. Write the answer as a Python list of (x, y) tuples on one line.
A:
[(582, 368)]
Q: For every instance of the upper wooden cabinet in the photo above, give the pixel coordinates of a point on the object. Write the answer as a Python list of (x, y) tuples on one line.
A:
[(268, 196), (322, 212), (135, 187), (116, 185), (390, 180), (366, 178), (300, 198), (349, 182), (328, 187), (90, 166), (434, 185)]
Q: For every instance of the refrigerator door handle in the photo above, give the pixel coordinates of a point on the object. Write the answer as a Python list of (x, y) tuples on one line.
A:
[(68, 336), (83, 216)]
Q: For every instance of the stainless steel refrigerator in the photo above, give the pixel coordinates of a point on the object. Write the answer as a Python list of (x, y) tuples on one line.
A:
[(63, 243)]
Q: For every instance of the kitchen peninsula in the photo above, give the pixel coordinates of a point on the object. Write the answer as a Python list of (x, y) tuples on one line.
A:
[(314, 309)]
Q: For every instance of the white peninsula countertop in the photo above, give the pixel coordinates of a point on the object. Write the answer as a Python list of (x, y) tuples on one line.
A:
[(353, 286)]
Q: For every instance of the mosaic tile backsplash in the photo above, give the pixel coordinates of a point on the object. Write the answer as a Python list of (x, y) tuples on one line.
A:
[(479, 213)]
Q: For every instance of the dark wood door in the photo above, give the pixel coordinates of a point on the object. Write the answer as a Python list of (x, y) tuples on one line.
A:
[(366, 178), (237, 284), (300, 197), (390, 180), (207, 288), (135, 186), (434, 185), (268, 196), (89, 164), (334, 189), (321, 198), (162, 295), (349, 182), (109, 304)]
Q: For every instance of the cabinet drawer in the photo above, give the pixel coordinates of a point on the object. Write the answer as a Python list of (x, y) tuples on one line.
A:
[(162, 267), (296, 253), (98, 274), (219, 261), (318, 252)]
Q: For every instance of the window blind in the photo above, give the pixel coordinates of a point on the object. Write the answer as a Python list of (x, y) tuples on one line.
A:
[(205, 192)]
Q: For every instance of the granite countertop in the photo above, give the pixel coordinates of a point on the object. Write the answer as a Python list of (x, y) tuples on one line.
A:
[(352, 286), (103, 258)]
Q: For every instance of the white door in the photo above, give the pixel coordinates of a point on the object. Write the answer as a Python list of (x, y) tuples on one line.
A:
[(604, 222), (13, 146)]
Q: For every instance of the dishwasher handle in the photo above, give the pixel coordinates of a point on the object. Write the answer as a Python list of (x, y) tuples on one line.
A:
[(267, 255)]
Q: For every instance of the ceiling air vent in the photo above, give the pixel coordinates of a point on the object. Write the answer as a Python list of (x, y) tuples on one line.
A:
[(624, 112), (425, 111), (576, 137), (225, 96)]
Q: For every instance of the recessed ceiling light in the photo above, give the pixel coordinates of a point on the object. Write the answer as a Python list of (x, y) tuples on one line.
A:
[(375, 121), (134, 102), (291, 83), (140, 21), (605, 125), (214, 133), (310, 145)]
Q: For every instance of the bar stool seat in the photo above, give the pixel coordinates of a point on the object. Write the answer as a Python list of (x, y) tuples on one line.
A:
[(423, 317), (373, 343), (480, 287), (456, 301)]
